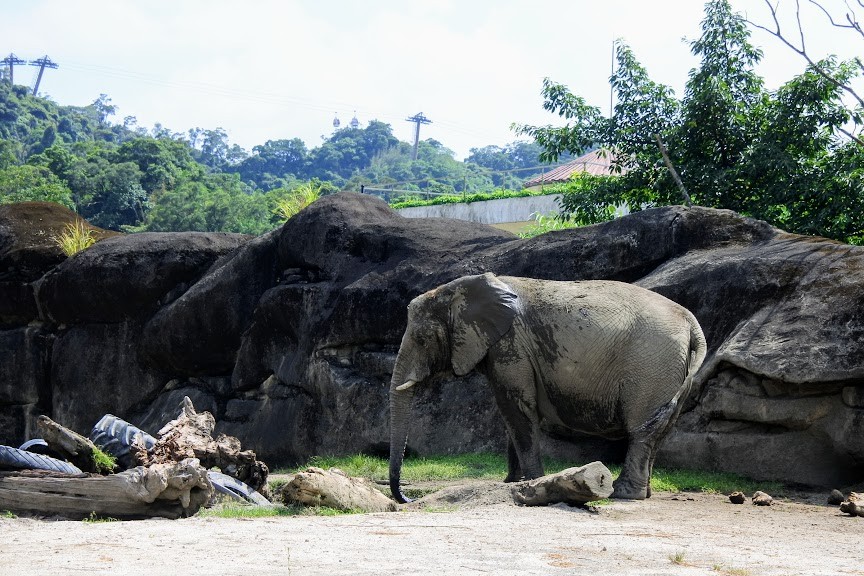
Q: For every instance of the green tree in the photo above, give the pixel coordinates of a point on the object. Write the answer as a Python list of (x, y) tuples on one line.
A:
[(776, 156), (32, 183)]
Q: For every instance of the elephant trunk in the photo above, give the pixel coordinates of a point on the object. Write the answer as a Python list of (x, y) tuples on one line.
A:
[(400, 411)]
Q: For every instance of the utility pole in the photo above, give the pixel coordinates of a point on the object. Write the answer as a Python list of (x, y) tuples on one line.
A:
[(11, 61), (43, 63), (418, 119)]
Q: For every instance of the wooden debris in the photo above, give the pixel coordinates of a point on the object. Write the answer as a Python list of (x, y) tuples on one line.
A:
[(853, 505), (190, 436), (333, 488), (737, 498), (574, 486), (172, 490), (762, 499), (70, 445)]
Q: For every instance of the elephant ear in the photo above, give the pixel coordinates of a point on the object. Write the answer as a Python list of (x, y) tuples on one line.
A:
[(482, 311)]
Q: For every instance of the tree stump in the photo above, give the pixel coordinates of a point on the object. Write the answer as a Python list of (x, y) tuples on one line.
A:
[(317, 487), (174, 490), (574, 486), (190, 436)]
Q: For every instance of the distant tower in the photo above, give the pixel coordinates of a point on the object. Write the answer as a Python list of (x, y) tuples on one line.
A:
[(11, 61), (336, 122), (43, 63), (418, 119), (354, 122)]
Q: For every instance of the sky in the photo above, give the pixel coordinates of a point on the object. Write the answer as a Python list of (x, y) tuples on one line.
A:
[(273, 69)]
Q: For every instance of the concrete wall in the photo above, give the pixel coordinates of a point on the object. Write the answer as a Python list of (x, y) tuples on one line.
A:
[(508, 213)]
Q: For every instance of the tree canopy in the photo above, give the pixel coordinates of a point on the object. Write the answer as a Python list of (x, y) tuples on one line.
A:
[(124, 177), (784, 156)]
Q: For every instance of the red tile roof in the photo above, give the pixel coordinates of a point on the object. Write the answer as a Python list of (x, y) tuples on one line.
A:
[(596, 162)]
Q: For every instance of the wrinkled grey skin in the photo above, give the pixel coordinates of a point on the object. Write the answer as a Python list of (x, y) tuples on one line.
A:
[(597, 357)]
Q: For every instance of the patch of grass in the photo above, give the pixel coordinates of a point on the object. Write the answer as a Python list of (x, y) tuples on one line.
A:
[(94, 518), (677, 558), (487, 466), (679, 480), (234, 510), (543, 224), (76, 237), (484, 466), (105, 463), (7, 514)]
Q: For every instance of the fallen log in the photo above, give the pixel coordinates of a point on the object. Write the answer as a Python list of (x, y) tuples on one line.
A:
[(853, 505), (174, 490), (574, 486), (72, 446), (333, 488), (190, 436)]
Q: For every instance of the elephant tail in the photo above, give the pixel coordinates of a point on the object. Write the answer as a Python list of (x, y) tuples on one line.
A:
[(698, 347), (698, 351)]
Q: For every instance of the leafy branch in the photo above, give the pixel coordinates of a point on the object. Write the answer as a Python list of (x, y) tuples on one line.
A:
[(820, 68)]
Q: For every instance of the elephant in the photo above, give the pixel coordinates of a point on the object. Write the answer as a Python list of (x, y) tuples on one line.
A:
[(596, 357)]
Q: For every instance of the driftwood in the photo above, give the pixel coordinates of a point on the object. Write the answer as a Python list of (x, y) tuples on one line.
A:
[(333, 488), (190, 436), (70, 445), (172, 490), (853, 505), (574, 486)]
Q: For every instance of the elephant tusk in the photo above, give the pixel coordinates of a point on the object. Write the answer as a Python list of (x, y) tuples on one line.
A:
[(406, 385)]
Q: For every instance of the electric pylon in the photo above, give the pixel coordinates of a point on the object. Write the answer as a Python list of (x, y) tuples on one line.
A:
[(43, 63), (418, 119), (11, 61)]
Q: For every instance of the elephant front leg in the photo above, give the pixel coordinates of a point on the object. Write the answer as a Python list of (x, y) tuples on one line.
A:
[(514, 469), (523, 450)]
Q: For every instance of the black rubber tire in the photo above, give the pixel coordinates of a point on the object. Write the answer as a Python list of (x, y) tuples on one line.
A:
[(234, 488), (16, 459), (37, 445), (114, 436)]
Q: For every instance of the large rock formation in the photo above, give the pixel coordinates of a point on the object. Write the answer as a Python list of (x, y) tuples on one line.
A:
[(289, 338)]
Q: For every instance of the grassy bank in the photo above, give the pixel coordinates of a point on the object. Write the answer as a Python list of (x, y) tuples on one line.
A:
[(494, 467)]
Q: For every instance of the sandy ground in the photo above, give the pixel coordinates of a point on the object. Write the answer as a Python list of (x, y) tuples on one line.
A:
[(675, 534)]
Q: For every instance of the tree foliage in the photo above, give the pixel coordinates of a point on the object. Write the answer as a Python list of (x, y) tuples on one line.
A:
[(782, 156), (122, 176)]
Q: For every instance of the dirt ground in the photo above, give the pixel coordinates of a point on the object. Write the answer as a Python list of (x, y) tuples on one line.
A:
[(468, 530)]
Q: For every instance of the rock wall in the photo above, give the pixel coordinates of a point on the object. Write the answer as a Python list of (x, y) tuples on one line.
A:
[(289, 338)]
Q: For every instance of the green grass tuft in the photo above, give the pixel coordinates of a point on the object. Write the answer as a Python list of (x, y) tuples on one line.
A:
[(7, 514), (298, 199), (75, 238)]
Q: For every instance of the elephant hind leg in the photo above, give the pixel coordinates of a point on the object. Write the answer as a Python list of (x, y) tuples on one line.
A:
[(634, 482)]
